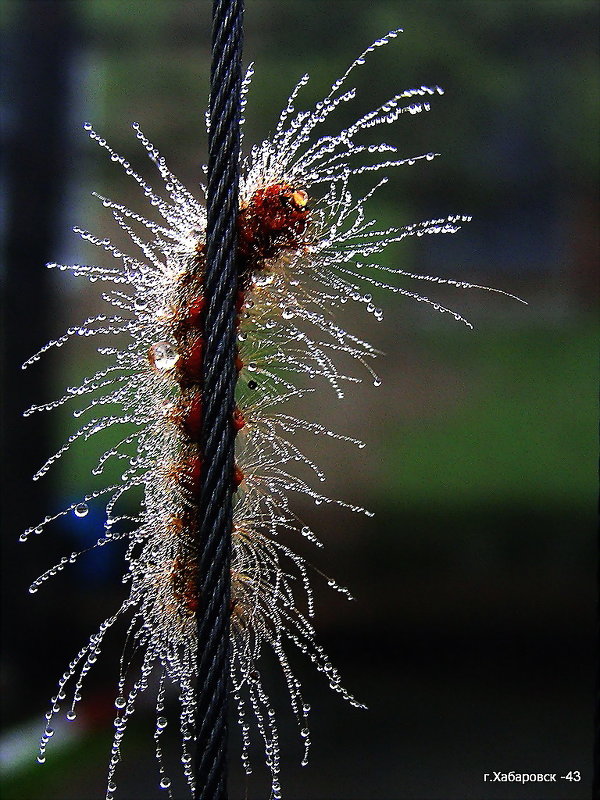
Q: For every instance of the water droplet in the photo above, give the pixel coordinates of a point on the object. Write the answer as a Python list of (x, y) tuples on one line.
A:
[(161, 723), (81, 510), (120, 702), (165, 783), (163, 356)]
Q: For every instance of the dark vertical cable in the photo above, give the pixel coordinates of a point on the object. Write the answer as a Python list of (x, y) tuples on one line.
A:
[(219, 377)]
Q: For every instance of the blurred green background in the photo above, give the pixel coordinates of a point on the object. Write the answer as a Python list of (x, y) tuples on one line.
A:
[(471, 641)]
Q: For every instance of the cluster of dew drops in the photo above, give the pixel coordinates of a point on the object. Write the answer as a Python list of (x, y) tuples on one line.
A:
[(287, 333)]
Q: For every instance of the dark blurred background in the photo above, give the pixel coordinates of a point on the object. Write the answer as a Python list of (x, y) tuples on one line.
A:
[(471, 641)]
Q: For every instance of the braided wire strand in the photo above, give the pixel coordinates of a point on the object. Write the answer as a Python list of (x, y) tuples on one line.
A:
[(219, 378)]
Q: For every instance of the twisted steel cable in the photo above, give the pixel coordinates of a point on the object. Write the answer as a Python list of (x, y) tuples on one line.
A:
[(219, 378)]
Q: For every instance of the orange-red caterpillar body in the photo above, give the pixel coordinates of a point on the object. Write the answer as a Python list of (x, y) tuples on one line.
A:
[(274, 220)]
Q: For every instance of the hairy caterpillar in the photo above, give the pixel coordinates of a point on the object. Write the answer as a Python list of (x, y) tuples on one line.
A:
[(305, 242)]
